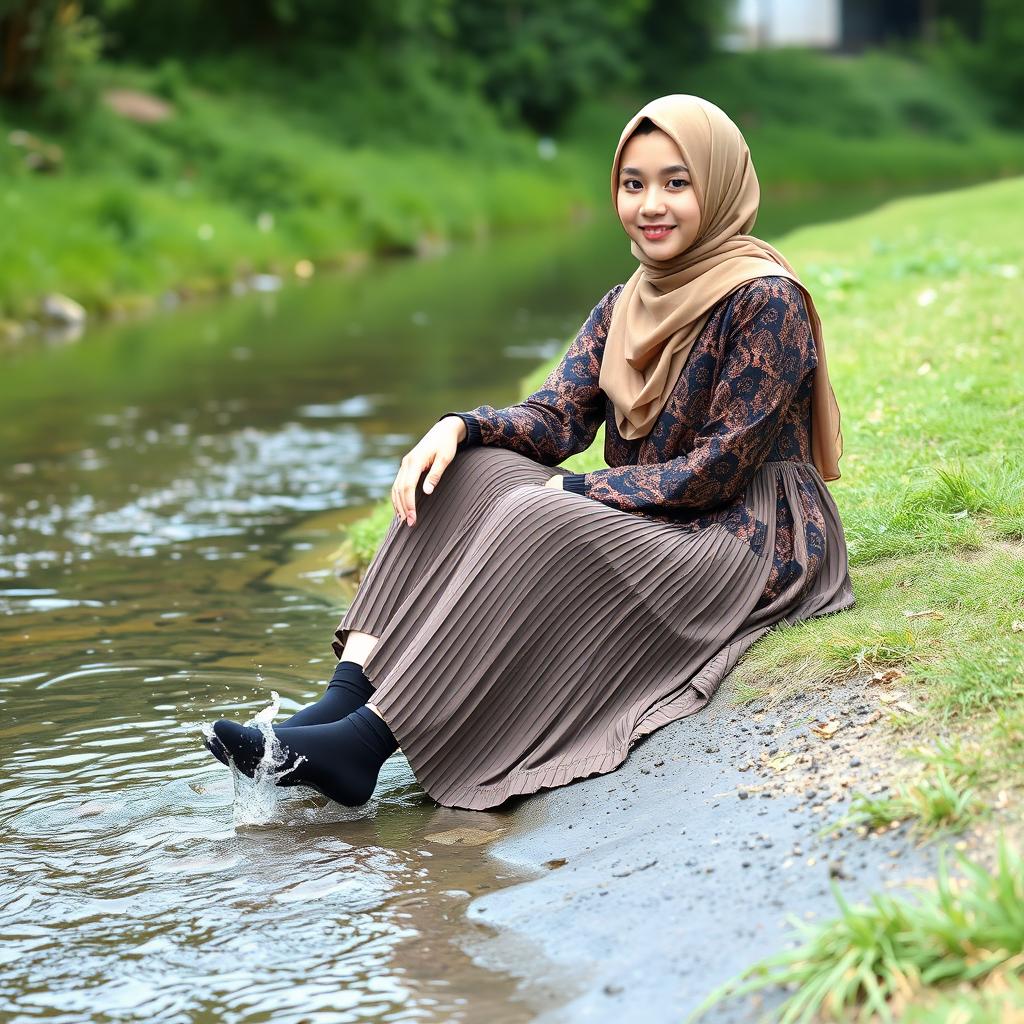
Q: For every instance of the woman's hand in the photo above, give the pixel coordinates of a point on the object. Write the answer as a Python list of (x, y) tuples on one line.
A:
[(433, 452), (555, 481)]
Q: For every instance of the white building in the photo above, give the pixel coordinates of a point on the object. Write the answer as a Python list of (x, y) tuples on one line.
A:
[(761, 24)]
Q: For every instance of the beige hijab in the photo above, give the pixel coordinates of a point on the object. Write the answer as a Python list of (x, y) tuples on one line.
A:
[(664, 305)]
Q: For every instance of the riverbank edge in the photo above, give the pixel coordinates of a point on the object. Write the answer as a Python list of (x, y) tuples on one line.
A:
[(60, 315), (650, 911)]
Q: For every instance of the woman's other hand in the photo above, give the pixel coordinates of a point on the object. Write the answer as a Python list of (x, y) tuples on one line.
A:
[(555, 481), (432, 453)]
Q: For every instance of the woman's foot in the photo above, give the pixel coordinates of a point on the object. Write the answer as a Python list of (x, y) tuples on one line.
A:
[(341, 760), (215, 747), (348, 689)]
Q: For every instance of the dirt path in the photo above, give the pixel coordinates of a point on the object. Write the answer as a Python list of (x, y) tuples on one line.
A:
[(673, 880)]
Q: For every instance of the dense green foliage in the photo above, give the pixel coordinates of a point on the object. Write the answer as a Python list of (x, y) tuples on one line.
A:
[(816, 121), (984, 42), (533, 62), (329, 132)]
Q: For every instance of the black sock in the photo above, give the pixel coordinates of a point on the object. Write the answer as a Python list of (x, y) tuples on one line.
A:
[(348, 689), (340, 759)]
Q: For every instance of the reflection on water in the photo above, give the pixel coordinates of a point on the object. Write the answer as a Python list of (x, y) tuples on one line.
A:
[(128, 892), (154, 479)]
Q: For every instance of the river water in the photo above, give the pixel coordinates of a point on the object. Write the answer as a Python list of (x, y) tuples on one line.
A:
[(169, 491)]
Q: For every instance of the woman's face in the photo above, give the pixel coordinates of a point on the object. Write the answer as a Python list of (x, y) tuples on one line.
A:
[(655, 201)]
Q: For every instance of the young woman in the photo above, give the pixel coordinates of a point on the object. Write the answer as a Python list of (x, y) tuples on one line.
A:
[(523, 626)]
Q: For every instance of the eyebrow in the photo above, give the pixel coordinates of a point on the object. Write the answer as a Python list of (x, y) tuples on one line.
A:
[(664, 170)]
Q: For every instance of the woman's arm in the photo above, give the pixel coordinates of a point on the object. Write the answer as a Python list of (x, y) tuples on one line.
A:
[(768, 355), (562, 417)]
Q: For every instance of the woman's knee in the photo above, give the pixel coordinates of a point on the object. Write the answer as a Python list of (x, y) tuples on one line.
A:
[(523, 509), (496, 470)]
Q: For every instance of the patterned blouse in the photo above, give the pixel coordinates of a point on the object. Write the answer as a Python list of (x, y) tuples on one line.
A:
[(743, 398)]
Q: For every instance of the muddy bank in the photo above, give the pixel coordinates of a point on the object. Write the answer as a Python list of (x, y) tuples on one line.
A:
[(681, 866)]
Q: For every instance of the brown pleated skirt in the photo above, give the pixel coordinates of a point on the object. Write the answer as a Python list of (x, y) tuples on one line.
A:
[(530, 636)]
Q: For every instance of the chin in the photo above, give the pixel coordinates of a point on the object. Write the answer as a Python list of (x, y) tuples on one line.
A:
[(668, 254)]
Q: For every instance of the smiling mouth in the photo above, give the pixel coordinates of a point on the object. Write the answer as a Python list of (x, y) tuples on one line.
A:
[(657, 232)]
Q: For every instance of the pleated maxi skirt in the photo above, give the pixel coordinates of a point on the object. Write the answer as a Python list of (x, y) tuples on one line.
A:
[(530, 636)]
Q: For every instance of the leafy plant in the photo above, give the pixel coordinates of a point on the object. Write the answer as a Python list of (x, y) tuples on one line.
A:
[(876, 959)]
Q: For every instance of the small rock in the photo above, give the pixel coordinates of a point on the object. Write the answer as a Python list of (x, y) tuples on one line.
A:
[(62, 310), (743, 794), (264, 282)]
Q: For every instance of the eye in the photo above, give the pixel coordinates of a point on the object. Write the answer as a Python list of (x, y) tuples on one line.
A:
[(628, 182), (681, 181)]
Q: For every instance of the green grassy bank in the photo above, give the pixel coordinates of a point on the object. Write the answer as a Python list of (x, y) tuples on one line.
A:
[(923, 314), (922, 304), (235, 181), (256, 169)]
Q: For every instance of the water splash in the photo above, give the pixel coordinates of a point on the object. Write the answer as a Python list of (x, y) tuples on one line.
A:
[(257, 800)]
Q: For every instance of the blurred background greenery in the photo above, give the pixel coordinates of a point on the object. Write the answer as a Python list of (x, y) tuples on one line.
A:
[(156, 146)]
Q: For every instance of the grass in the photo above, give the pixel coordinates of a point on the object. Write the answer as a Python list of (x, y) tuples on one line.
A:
[(932, 804), (365, 534), (898, 959), (924, 310)]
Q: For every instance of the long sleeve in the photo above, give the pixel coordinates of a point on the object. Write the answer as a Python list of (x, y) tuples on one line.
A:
[(767, 356), (561, 417)]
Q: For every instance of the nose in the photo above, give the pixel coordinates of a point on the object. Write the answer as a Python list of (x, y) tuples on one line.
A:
[(652, 204)]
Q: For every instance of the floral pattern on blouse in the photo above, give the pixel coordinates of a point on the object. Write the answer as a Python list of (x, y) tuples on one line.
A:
[(742, 399)]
